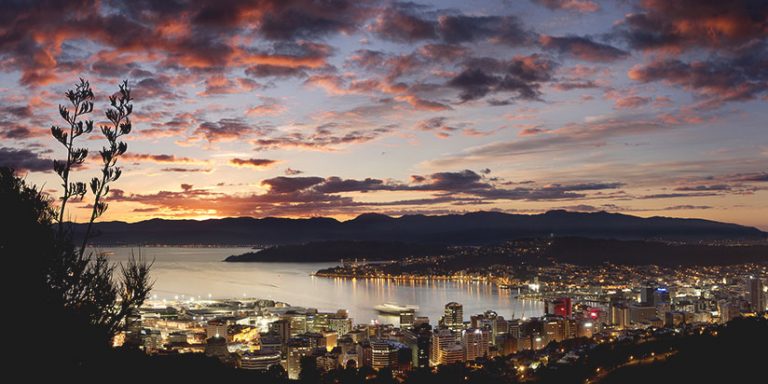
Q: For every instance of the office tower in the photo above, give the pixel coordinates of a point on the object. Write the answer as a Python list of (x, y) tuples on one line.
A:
[(647, 295), (383, 354), (619, 315), (423, 343), (441, 340), (258, 360), (454, 316), (476, 343), (407, 318), (563, 307), (298, 323), (661, 296), (217, 329), (339, 324), (282, 328), (641, 313), (297, 349), (554, 328), (453, 353), (756, 294)]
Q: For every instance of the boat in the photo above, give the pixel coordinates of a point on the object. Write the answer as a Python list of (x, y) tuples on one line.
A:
[(395, 309)]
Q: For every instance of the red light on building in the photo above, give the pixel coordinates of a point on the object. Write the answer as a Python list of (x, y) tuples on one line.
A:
[(593, 313), (563, 307)]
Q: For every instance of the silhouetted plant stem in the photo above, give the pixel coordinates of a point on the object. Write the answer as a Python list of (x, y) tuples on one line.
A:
[(81, 99), (118, 115)]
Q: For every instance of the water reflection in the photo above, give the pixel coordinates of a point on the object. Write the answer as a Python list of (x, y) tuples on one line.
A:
[(199, 272)]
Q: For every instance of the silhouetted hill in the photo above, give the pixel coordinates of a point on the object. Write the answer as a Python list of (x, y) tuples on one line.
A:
[(335, 250), (470, 228)]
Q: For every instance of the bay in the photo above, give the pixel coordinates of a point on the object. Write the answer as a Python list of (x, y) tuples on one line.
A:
[(183, 272)]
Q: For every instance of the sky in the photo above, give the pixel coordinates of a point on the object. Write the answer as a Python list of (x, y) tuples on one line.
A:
[(297, 108)]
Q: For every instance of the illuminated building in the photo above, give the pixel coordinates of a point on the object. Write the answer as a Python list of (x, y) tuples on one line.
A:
[(619, 315), (453, 353), (420, 320), (454, 316), (297, 349), (298, 323), (757, 294), (282, 328), (554, 328), (476, 342), (258, 360), (340, 324), (441, 340), (641, 313), (406, 319), (216, 329), (562, 307), (383, 354)]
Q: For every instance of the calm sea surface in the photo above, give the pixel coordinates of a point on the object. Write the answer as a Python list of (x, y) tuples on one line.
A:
[(200, 272)]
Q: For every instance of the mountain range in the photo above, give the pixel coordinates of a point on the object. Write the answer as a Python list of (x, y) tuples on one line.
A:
[(461, 229)]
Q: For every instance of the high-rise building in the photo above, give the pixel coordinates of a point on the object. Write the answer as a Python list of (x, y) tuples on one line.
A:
[(419, 340), (554, 328), (383, 354), (298, 323), (756, 295), (641, 313), (216, 329), (619, 315), (476, 343), (441, 340), (297, 349), (453, 353), (282, 328), (453, 317), (562, 307), (647, 295), (407, 318), (341, 325)]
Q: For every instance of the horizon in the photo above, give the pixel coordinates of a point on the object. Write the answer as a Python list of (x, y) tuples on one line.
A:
[(643, 108), (352, 218)]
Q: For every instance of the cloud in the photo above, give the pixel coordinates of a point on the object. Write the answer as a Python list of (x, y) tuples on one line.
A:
[(409, 22), (220, 84), (188, 170), (269, 106), (292, 172), (228, 129), (159, 158), (569, 136), (256, 163), (583, 48), (685, 24), (584, 6), (714, 80), (751, 177), (631, 102), (507, 30), (401, 23), (438, 125), (686, 207), (522, 76), (282, 184), (24, 160), (305, 196), (326, 136)]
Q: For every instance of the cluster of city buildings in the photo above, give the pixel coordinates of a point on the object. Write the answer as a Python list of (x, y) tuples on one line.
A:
[(262, 334)]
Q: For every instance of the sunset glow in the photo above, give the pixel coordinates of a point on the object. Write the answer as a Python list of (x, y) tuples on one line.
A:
[(303, 108)]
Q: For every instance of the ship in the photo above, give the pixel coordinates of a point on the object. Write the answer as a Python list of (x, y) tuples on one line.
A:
[(395, 309)]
